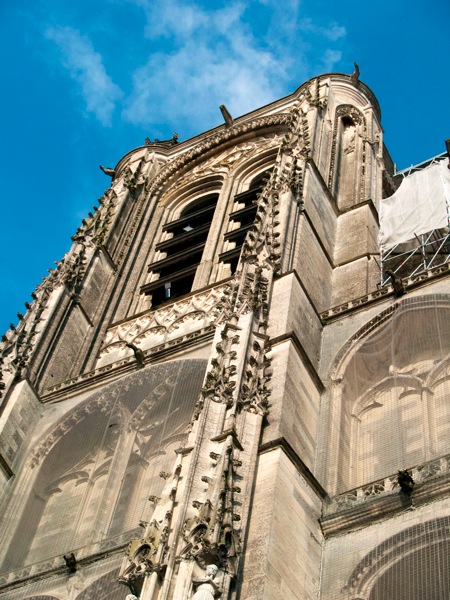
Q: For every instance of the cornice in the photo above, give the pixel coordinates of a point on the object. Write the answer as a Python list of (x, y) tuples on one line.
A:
[(109, 372), (55, 568), (383, 498), (362, 302)]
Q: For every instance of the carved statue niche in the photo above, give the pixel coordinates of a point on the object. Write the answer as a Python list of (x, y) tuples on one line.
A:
[(209, 586), (139, 564), (346, 179), (229, 549)]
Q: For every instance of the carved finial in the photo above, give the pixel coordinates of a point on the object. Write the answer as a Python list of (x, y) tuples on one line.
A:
[(447, 145), (107, 171), (226, 115), (355, 75)]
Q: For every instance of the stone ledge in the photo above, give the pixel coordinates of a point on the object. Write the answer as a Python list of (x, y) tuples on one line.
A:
[(119, 368), (55, 566), (284, 445), (376, 296), (383, 498)]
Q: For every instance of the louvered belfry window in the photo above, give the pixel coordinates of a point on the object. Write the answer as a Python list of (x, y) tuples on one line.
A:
[(183, 251), (241, 220)]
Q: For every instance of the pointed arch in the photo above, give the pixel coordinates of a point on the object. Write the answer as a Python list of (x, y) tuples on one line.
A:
[(92, 475), (388, 388), (413, 563), (347, 164)]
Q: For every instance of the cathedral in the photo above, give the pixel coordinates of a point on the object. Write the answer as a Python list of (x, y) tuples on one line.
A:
[(236, 383)]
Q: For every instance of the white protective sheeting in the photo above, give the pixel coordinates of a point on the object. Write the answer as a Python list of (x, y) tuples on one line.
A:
[(421, 204)]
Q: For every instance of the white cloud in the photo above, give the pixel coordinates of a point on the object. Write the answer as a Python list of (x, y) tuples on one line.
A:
[(230, 55), (85, 66), (331, 31), (329, 59)]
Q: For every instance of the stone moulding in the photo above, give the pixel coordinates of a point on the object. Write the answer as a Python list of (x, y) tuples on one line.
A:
[(391, 551), (382, 498), (347, 110), (55, 566), (120, 367), (197, 311), (174, 166), (363, 301)]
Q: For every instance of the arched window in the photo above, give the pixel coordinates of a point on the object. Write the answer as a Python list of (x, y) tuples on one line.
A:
[(106, 587), (413, 564), (389, 395), (389, 429), (91, 476), (184, 250)]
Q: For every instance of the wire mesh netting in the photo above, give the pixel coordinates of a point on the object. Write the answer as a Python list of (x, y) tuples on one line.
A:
[(93, 472), (411, 565), (395, 390), (392, 413)]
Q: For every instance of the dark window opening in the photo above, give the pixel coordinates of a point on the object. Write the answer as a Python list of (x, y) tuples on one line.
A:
[(241, 220), (183, 251), (347, 122)]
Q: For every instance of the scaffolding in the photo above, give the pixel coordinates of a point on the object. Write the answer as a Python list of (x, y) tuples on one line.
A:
[(415, 221)]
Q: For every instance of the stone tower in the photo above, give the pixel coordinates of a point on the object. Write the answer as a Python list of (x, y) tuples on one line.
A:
[(216, 395)]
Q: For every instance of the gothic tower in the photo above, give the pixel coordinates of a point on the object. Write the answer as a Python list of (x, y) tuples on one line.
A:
[(213, 393)]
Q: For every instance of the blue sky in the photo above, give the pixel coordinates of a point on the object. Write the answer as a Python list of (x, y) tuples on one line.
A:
[(84, 82)]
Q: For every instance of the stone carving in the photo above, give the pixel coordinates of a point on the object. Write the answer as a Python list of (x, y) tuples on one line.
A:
[(174, 166), (315, 99), (219, 385), (349, 111), (140, 554), (249, 289), (388, 485), (18, 343), (104, 217), (103, 372), (296, 142), (239, 372), (103, 547), (357, 302), (355, 75), (108, 171), (99, 223), (163, 143), (195, 312), (225, 161), (207, 588), (73, 268), (255, 392)]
